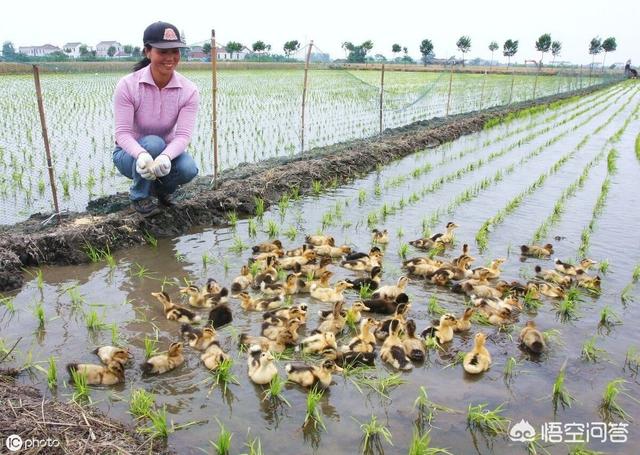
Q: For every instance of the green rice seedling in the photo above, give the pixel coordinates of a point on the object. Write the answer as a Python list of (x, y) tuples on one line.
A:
[(509, 370), (371, 433), (404, 249), (434, 308), (141, 403), (52, 373), (259, 203), (254, 269), (93, 321), (312, 414), (590, 352), (252, 227), (180, 257), (372, 219), (283, 205), (39, 279), (80, 386), (254, 446), (274, 392), (608, 317), (362, 197), (489, 422), (400, 233), (427, 409), (316, 187), (530, 303), (223, 375), (604, 266), (232, 218), (141, 271), (150, 239), (294, 193), (582, 449), (150, 345), (291, 233), (377, 190), (567, 309), (8, 303), (223, 443), (365, 291), (108, 257), (457, 359), (432, 343), (481, 319), (632, 360), (327, 220), (559, 393), (159, 427), (551, 336), (40, 315), (383, 385), (272, 229), (93, 253), (626, 295), (420, 445), (609, 405), (636, 274), (238, 245), (611, 161)]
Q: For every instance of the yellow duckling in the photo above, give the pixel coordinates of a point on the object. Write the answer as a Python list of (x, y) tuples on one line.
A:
[(479, 359), (262, 257), (110, 354), (460, 270), (261, 365), (198, 339), (313, 270), (175, 312), (110, 374), (330, 295), (553, 277), (436, 240), (413, 346), (200, 298), (248, 303), (441, 277), (550, 290), (443, 332), (289, 287), (588, 282), (213, 356), (319, 342), (537, 251), (392, 350), (311, 375), (493, 271), (354, 313), (274, 326), (267, 247), (164, 362), (242, 281), (374, 259), (392, 291), (531, 337), (365, 341), (402, 310), (288, 263), (423, 269), (381, 237), (463, 324), (495, 315), (481, 290), (570, 269), (295, 311), (335, 323), (284, 339), (317, 240), (332, 251), (299, 250)]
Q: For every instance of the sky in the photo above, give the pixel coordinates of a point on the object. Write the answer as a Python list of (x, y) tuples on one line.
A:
[(330, 22)]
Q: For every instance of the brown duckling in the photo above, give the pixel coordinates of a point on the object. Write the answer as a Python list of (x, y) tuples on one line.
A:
[(242, 281), (354, 313), (460, 270), (110, 354), (372, 283), (423, 269), (262, 257), (295, 311), (481, 290), (479, 359), (365, 341), (586, 281), (553, 277), (261, 365), (248, 303), (385, 306), (198, 339), (110, 374), (360, 255), (175, 312), (288, 263), (492, 272), (402, 310), (267, 247), (441, 277), (318, 342), (463, 324), (299, 250), (312, 375), (164, 362), (319, 239), (289, 287), (570, 269), (390, 292), (284, 339), (213, 356), (550, 290), (531, 338), (392, 350), (436, 240), (330, 295), (374, 259), (381, 237), (335, 323), (537, 251), (413, 346), (197, 296), (273, 326), (332, 251), (443, 332)]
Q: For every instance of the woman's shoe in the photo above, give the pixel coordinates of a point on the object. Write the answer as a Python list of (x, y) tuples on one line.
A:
[(146, 207)]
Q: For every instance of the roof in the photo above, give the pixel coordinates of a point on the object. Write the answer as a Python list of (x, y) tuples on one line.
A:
[(108, 43), (72, 44)]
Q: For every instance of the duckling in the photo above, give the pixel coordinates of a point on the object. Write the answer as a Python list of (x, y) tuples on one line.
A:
[(313, 270), (109, 374), (211, 287), (317, 240), (360, 255), (553, 276), (391, 292), (335, 323), (261, 366), (435, 240), (350, 358), (174, 312), (392, 350), (537, 251), (268, 274), (402, 310), (295, 311), (460, 270), (213, 356), (242, 281), (413, 346), (273, 327), (385, 306), (531, 338), (570, 269), (495, 315), (197, 296), (289, 287), (481, 290), (511, 302), (330, 295), (198, 339), (288, 263), (354, 313), (262, 257), (365, 341), (332, 251), (220, 315), (441, 277), (110, 354), (464, 256), (299, 250), (372, 283), (381, 237), (250, 304), (164, 362), (267, 247), (443, 332), (463, 324), (492, 272), (321, 282), (479, 359), (550, 290), (311, 375), (318, 342), (586, 281), (366, 263), (423, 269), (284, 339)]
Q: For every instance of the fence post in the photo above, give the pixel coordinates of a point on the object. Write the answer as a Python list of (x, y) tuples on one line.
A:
[(381, 96), (513, 79), (304, 94), (449, 94), (214, 102), (45, 138)]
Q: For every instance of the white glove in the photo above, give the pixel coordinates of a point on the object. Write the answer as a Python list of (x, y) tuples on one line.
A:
[(161, 165), (144, 166)]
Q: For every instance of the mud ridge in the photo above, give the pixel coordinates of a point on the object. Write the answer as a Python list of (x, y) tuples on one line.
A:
[(109, 222)]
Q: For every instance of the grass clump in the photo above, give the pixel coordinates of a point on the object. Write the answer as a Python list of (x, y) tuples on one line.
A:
[(559, 393), (372, 432), (141, 403), (590, 352), (609, 406), (312, 414), (420, 445), (274, 392), (489, 422), (80, 386), (223, 443), (223, 375), (158, 428)]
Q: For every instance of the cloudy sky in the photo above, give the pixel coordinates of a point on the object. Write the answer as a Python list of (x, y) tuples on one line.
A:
[(331, 22)]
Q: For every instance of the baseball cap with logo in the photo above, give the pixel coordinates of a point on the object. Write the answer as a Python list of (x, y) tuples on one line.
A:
[(162, 35)]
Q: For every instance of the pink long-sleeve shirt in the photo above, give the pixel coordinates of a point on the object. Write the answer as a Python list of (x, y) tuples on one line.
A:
[(141, 109)]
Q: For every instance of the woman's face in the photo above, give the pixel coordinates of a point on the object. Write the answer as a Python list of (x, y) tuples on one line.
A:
[(163, 61)]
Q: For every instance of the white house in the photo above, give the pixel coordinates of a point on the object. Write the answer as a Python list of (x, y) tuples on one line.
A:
[(102, 48), (224, 54), (38, 51), (72, 49)]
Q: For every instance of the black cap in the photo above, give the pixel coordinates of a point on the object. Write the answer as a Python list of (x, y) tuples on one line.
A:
[(162, 35)]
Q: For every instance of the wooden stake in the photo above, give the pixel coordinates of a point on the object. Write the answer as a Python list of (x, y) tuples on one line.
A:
[(449, 94), (381, 94), (45, 138), (513, 80), (304, 95), (214, 101), (484, 80)]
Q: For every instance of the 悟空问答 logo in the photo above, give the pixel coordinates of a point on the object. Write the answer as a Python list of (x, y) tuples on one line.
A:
[(522, 432)]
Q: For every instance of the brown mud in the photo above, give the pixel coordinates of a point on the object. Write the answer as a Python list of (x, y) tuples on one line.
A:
[(110, 223)]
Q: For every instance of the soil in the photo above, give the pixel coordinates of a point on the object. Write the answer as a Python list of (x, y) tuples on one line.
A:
[(76, 429), (110, 222)]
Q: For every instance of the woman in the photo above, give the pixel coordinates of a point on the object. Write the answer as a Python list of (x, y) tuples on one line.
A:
[(155, 111)]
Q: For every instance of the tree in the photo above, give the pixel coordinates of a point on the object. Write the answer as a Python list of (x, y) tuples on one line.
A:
[(137, 52), (84, 51), (493, 46), (426, 49), (128, 49), (509, 49), (464, 46), (396, 48), (8, 51), (111, 51), (357, 54), (291, 47), (595, 47), (543, 45), (259, 46), (206, 49), (234, 46), (608, 45), (556, 47)]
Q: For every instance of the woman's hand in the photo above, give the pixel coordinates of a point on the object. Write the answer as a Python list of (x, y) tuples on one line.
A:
[(145, 165), (161, 165)]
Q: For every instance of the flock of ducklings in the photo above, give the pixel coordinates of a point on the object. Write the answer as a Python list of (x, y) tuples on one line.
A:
[(394, 334)]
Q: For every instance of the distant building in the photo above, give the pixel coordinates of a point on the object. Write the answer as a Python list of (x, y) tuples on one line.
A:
[(224, 54), (195, 52), (38, 51), (72, 49), (102, 48)]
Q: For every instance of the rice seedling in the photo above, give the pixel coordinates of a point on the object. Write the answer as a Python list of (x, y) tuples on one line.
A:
[(39, 279), (259, 203), (274, 392), (590, 352), (232, 219), (272, 229), (150, 346), (93, 321), (238, 245), (609, 405), (372, 431), (365, 292), (141, 271), (434, 308), (551, 336), (626, 295), (150, 238), (377, 190), (40, 315), (80, 386), (291, 233), (207, 259), (636, 274), (420, 445), (254, 446), (582, 449), (316, 187), (489, 422), (312, 415), (427, 409), (608, 317), (383, 384), (567, 308), (252, 227), (141, 403), (92, 253), (509, 370), (559, 393), (457, 359), (159, 427), (8, 304), (52, 373), (223, 443), (604, 266), (223, 375), (404, 249), (632, 360), (254, 268), (530, 303), (362, 197)]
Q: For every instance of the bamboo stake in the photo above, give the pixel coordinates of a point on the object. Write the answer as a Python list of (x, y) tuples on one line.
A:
[(449, 94), (214, 101), (304, 95), (45, 138), (381, 94)]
